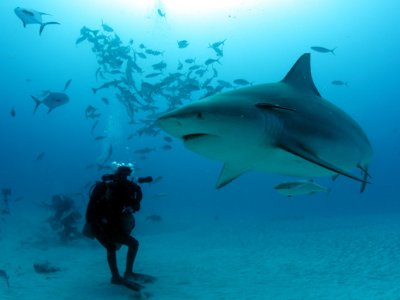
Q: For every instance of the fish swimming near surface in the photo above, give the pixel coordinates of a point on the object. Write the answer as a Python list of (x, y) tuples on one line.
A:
[(161, 13), (183, 44), (241, 82), (30, 16), (323, 49), (141, 55), (300, 187), (106, 27), (284, 127), (339, 82)]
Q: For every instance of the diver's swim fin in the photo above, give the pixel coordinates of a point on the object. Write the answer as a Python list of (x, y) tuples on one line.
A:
[(127, 283), (140, 277), (132, 285)]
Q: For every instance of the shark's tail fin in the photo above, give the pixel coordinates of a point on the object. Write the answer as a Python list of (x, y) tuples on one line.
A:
[(94, 90), (44, 24), (37, 101), (333, 51)]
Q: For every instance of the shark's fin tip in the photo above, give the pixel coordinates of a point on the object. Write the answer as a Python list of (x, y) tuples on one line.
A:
[(300, 77)]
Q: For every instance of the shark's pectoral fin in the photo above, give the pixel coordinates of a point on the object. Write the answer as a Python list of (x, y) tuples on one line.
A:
[(228, 173), (365, 175), (334, 177), (300, 150)]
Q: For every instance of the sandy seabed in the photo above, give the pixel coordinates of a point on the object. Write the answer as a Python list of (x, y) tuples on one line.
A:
[(351, 257)]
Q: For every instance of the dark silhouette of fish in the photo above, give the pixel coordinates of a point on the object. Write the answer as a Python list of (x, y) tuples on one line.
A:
[(67, 84), (90, 112), (154, 218), (166, 147), (40, 156), (300, 187), (106, 27), (107, 85), (30, 16), (242, 82), (159, 66), (45, 268), (109, 154), (144, 150), (161, 13), (141, 55), (4, 275), (94, 126), (53, 100), (12, 112), (183, 44), (323, 49), (100, 137), (151, 75), (339, 82)]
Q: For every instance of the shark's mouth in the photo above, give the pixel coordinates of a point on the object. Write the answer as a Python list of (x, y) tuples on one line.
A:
[(190, 137)]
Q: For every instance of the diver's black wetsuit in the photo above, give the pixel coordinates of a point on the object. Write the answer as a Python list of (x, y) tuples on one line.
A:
[(110, 215)]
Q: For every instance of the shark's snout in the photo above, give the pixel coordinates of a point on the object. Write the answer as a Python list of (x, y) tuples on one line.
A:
[(165, 122), (171, 125)]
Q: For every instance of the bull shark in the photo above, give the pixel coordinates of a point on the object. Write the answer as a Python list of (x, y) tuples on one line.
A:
[(285, 128), (30, 16)]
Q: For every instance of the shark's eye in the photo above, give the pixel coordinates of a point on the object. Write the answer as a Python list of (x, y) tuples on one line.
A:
[(200, 115)]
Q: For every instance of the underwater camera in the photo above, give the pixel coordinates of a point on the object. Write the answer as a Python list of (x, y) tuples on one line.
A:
[(108, 177)]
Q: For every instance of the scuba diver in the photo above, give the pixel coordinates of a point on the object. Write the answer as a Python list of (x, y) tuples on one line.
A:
[(109, 219)]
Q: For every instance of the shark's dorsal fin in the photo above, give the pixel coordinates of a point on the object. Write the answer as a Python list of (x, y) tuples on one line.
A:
[(300, 77)]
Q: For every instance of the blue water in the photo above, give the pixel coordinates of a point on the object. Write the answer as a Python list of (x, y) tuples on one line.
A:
[(263, 40)]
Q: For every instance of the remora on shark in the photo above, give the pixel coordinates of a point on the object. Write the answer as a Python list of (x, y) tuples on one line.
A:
[(284, 127)]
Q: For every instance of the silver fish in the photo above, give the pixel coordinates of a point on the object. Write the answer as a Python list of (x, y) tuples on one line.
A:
[(323, 49), (52, 100), (300, 187), (30, 16)]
